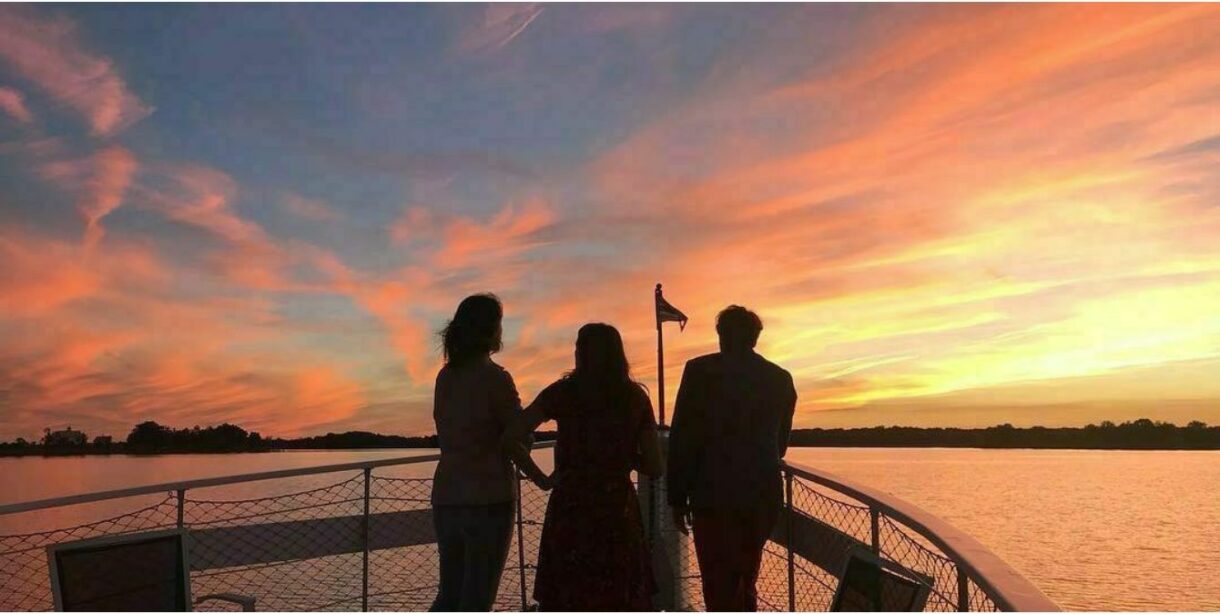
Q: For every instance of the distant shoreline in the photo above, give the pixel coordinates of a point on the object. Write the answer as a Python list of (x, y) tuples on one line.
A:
[(1140, 434), (1137, 435), (8, 454)]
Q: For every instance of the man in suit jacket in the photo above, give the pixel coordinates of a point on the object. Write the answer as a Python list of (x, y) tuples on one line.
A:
[(730, 430)]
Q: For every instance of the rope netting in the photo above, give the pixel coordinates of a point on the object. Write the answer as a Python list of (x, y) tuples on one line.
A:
[(25, 579), (406, 577), (305, 550), (896, 544), (267, 548)]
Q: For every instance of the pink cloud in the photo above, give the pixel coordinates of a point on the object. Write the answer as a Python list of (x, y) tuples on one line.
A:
[(102, 181), (13, 103), (415, 222), (202, 197), (498, 26), (607, 18), (309, 208), (49, 53)]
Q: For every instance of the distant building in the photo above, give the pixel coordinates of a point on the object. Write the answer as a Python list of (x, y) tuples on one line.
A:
[(103, 441), (66, 437)]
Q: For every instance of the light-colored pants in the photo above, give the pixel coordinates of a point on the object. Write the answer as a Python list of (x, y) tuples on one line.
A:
[(473, 541)]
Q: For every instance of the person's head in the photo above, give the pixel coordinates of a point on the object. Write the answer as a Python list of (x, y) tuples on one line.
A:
[(738, 328), (600, 356), (474, 332)]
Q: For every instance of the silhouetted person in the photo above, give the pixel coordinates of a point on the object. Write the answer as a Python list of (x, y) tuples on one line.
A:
[(474, 488), (730, 430), (593, 556)]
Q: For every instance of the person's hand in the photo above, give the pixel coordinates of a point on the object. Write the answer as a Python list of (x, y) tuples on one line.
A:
[(545, 482), (682, 518)]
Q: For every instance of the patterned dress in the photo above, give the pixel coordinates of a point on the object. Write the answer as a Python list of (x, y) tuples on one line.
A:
[(593, 555)]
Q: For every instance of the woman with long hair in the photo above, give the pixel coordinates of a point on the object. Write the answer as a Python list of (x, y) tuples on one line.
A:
[(593, 555), (473, 492)]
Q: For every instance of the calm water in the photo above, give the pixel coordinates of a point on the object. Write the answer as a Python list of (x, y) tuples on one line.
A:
[(1096, 530)]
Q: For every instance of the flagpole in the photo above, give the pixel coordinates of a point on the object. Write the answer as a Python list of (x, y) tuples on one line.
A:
[(660, 358), (654, 503)]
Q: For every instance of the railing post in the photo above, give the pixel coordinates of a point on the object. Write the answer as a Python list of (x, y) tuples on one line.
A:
[(521, 546), (364, 527), (874, 523), (652, 514), (181, 507), (666, 545), (788, 511), (963, 590)]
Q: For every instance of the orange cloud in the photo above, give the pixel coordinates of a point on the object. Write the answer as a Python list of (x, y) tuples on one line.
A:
[(457, 255), (323, 396), (976, 204), (390, 301), (100, 339), (986, 169), (38, 277), (512, 230)]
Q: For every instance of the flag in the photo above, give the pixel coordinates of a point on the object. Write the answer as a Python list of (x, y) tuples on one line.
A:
[(667, 312)]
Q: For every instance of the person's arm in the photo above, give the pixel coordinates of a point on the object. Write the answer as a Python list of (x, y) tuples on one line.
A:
[(506, 407), (515, 442), (785, 426), (651, 463), (684, 440), (505, 401)]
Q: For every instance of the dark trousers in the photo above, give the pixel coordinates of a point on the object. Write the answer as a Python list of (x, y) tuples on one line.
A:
[(729, 545), (473, 541)]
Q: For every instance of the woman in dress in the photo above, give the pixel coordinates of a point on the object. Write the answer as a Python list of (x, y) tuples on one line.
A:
[(593, 555), (473, 492)]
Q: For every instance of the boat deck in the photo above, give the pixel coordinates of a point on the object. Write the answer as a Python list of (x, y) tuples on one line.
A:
[(364, 541)]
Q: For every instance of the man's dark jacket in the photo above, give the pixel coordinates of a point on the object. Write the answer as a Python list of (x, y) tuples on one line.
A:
[(730, 430)]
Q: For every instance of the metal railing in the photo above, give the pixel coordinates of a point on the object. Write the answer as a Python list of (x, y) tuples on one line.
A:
[(366, 542), (959, 572)]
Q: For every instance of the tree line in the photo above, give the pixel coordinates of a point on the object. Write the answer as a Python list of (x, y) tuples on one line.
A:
[(1142, 434), (153, 438), (145, 438)]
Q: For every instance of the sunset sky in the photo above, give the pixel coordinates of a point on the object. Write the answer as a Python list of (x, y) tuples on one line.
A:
[(946, 215)]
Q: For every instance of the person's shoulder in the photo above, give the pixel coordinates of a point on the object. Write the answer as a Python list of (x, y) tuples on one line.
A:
[(558, 386), (493, 370), (444, 373), (483, 371), (642, 403), (772, 368), (640, 394), (554, 399), (706, 360)]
